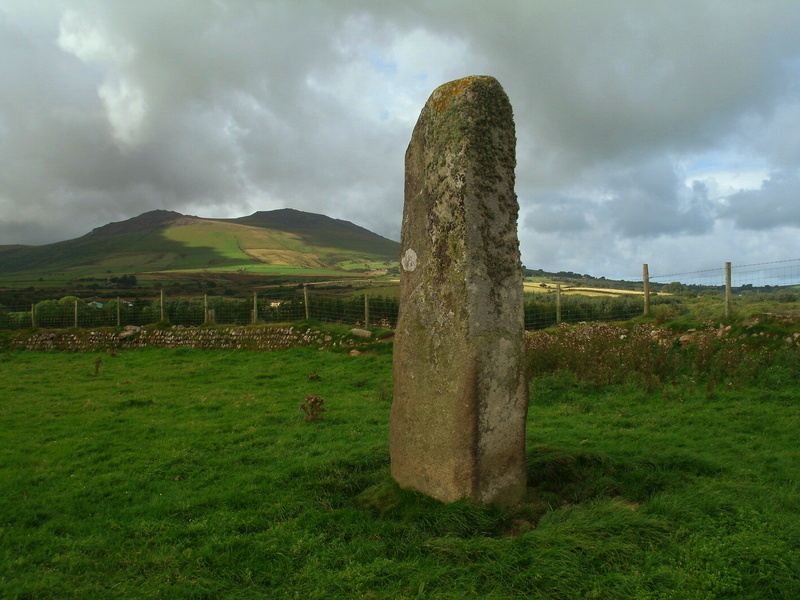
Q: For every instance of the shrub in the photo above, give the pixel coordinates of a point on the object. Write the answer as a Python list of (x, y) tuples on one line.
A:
[(604, 354), (313, 408)]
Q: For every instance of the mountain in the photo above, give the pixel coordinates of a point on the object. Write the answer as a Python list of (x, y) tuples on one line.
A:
[(159, 241), (323, 231), (144, 223)]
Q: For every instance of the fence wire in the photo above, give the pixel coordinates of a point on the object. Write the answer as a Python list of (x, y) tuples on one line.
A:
[(543, 310), (756, 277), (326, 305), (279, 305), (767, 275), (376, 303)]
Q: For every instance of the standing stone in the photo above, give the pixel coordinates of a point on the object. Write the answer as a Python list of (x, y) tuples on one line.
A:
[(460, 393)]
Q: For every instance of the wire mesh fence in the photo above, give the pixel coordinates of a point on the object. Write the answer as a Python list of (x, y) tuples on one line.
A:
[(279, 305), (736, 285), (326, 305), (376, 303), (763, 277), (542, 311)]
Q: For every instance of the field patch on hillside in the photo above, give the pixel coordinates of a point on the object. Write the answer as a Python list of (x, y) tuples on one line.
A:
[(284, 257)]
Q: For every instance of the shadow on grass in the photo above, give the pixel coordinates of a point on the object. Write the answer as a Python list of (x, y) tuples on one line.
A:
[(557, 480)]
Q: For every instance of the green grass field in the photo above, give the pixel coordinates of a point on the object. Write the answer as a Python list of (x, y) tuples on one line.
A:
[(191, 474)]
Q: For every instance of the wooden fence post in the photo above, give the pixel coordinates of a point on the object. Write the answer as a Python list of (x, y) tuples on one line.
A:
[(558, 304), (76, 314), (33, 316), (646, 279), (728, 291), (205, 309), (305, 301), (366, 310)]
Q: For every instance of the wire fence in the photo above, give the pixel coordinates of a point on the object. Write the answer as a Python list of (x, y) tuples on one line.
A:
[(766, 276), (333, 304), (734, 285), (376, 303), (547, 310)]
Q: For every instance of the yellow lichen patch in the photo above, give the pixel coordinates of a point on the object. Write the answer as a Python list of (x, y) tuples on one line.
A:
[(445, 93)]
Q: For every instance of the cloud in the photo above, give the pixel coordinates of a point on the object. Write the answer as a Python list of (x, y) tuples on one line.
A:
[(773, 205), (642, 200), (229, 106), (775, 134), (649, 200), (557, 213)]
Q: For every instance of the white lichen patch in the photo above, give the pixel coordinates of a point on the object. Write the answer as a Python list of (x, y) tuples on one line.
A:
[(409, 260)]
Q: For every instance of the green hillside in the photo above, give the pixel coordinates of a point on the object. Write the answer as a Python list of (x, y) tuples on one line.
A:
[(336, 238), (169, 243)]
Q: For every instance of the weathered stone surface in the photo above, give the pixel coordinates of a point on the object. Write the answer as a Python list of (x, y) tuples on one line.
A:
[(460, 396)]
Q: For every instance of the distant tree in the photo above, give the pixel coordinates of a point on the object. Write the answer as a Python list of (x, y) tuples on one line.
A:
[(675, 287)]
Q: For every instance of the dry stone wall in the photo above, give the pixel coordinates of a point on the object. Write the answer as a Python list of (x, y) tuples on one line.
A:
[(241, 338)]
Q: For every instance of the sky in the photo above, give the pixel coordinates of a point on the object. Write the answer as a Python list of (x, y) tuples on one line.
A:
[(662, 132)]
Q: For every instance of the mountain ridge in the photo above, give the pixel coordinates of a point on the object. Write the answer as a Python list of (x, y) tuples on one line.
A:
[(152, 219), (160, 241)]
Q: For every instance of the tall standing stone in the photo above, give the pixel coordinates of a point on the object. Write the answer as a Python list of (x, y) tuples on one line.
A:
[(460, 394)]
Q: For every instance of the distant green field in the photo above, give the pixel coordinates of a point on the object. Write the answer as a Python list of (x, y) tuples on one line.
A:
[(191, 474)]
